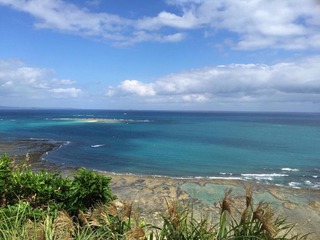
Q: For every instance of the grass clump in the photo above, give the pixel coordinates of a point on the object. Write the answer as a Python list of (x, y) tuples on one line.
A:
[(179, 223), (255, 222)]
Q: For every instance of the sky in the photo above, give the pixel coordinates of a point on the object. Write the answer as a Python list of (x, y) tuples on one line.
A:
[(203, 55)]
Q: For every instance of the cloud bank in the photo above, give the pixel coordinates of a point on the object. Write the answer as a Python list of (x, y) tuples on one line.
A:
[(285, 82), (222, 87), (19, 81), (256, 24)]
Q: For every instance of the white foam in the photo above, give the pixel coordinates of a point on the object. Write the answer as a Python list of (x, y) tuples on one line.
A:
[(38, 139), (295, 185), (66, 143), (264, 175), (179, 178), (210, 177), (97, 145), (315, 176), (226, 178), (290, 169), (308, 182), (316, 185), (223, 173)]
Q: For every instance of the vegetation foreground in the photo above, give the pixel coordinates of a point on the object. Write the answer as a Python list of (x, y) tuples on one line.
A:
[(44, 205)]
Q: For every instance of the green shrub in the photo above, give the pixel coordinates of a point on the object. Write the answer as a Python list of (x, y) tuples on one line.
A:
[(45, 190), (87, 189), (5, 177)]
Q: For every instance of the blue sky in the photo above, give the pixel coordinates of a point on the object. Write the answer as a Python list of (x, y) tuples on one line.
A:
[(256, 55)]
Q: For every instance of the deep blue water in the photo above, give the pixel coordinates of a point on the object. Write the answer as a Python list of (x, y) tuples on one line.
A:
[(277, 148)]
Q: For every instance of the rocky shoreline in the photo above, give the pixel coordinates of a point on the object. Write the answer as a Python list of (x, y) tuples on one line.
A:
[(32, 150), (150, 194)]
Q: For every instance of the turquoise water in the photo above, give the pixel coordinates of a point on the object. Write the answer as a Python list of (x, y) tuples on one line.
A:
[(276, 148)]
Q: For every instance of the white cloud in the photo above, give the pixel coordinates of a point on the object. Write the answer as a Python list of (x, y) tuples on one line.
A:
[(20, 81), (67, 17), (134, 87), (64, 16), (193, 98), (63, 81), (66, 92), (143, 36), (255, 24), (166, 19), (282, 82), (260, 23)]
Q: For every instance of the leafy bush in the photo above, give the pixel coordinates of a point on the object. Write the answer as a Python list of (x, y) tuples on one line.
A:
[(50, 190), (5, 176), (88, 188)]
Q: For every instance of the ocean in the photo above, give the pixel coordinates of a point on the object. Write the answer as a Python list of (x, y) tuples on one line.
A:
[(274, 148)]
